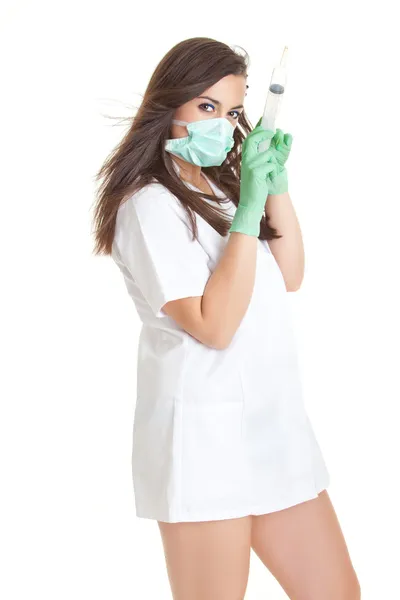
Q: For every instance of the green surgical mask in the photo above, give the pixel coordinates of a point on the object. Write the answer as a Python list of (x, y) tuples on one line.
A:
[(207, 144)]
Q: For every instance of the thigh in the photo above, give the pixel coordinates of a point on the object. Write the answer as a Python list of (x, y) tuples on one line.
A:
[(207, 560), (305, 550)]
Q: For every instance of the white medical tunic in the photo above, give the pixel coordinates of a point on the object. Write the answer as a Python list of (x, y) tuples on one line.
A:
[(217, 434)]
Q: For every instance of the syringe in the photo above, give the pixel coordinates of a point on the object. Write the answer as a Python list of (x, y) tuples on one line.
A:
[(274, 98)]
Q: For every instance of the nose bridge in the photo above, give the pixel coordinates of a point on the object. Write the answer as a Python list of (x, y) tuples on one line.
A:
[(225, 118), (230, 122)]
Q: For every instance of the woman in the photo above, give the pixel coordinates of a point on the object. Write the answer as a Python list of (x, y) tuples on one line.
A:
[(224, 456)]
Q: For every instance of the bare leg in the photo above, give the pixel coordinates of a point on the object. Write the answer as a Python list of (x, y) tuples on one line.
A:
[(208, 560), (304, 549)]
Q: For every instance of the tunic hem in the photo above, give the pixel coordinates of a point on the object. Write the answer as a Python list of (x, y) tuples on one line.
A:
[(257, 510)]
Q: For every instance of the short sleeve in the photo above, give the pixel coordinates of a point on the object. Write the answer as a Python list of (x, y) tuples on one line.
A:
[(154, 242)]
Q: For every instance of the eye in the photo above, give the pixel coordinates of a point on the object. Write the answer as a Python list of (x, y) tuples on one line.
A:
[(205, 104), (208, 104), (237, 112)]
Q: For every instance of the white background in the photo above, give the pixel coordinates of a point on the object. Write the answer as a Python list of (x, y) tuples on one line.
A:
[(70, 331)]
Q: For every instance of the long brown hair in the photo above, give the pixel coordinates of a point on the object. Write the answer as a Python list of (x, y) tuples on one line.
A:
[(189, 68)]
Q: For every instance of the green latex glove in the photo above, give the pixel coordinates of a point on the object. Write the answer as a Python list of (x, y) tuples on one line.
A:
[(280, 147), (255, 171)]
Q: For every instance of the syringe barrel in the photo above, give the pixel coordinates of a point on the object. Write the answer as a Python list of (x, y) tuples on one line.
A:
[(273, 102), (271, 110)]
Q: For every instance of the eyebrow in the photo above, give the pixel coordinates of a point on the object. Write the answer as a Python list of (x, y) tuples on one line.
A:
[(218, 102)]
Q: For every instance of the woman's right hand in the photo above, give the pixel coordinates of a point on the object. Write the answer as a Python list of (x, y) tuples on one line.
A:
[(254, 180)]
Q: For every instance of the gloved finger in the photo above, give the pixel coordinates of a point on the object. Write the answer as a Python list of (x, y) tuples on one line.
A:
[(278, 138), (268, 132), (254, 138), (262, 158), (265, 169), (272, 179), (257, 132), (264, 176), (288, 139)]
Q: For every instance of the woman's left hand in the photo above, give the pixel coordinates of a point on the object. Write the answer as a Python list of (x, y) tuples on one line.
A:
[(280, 147)]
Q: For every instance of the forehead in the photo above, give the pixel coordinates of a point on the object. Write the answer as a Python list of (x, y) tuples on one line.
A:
[(228, 90)]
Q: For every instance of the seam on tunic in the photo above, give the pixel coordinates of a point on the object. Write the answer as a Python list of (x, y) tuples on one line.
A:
[(243, 400), (178, 406)]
